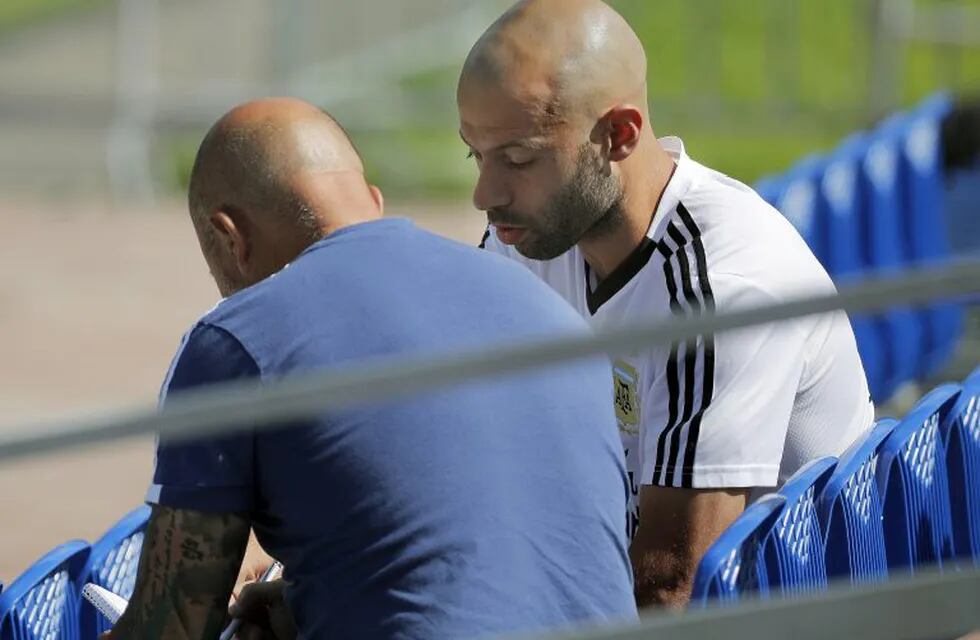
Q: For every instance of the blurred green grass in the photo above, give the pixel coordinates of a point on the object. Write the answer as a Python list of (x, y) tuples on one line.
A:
[(751, 86), (19, 13)]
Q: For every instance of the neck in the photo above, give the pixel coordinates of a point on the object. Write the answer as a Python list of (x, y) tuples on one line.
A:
[(340, 201), (645, 177), (336, 222)]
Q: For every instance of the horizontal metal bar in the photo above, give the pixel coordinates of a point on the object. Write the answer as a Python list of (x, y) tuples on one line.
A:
[(251, 404), (928, 606)]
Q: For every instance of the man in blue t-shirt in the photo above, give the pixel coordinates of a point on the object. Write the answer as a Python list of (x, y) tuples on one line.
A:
[(488, 507)]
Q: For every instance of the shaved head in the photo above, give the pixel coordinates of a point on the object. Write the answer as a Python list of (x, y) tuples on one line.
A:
[(254, 152), (566, 57), (284, 173)]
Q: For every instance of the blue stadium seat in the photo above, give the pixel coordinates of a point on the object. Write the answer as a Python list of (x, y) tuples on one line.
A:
[(839, 203), (733, 566), (795, 195), (913, 484), (840, 208), (769, 189), (849, 508), (962, 436), (927, 235), (794, 548), (962, 194), (113, 564), (42, 604), (884, 233)]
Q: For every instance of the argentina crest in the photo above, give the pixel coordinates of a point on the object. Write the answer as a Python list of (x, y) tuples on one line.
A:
[(625, 381)]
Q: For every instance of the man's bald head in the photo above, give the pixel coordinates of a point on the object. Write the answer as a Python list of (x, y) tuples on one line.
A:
[(255, 152), (570, 57), (280, 173)]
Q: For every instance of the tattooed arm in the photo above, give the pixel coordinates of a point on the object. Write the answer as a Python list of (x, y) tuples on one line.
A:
[(188, 567)]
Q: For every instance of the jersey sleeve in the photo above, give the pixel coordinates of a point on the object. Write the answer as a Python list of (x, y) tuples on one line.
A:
[(213, 473), (722, 403)]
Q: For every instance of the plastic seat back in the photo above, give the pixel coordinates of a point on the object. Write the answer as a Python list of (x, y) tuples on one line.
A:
[(733, 567), (841, 209), (770, 189), (113, 564), (795, 194), (42, 604), (927, 238), (884, 234), (794, 548), (913, 483), (962, 436), (850, 511)]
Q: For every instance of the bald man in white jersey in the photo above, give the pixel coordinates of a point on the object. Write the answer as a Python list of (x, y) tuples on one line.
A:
[(625, 226)]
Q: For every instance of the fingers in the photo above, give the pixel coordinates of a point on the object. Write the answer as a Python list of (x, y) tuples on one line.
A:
[(254, 570), (237, 590), (264, 612), (255, 600)]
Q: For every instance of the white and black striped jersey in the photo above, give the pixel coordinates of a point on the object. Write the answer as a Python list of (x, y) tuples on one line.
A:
[(745, 408)]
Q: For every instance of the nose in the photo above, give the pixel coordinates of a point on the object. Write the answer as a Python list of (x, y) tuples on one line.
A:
[(490, 192)]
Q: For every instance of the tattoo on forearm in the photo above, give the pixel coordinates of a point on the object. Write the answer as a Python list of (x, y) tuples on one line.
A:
[(187, 570)]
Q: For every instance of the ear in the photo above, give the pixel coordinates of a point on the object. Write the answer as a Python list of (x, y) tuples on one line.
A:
[(378, 197), (232, 234), (624, 125)]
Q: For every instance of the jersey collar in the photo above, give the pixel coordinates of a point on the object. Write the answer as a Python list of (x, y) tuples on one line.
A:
[(676, 188)]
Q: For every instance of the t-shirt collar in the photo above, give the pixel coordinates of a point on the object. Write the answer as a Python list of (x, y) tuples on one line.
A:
[(676, 188)]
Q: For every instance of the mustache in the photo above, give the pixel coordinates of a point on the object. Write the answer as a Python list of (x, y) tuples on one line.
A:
[(506, 218)]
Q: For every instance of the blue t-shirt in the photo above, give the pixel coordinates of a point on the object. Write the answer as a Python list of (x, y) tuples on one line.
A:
[(482, 508)]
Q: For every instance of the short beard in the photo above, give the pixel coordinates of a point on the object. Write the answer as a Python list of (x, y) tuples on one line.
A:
[(589, 205)]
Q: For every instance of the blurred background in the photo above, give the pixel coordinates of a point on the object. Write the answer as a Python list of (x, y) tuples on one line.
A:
[(103, 103)]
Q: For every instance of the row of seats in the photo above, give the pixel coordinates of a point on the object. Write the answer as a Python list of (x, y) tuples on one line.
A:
[(45, 602), (905, 496), (877, 204)]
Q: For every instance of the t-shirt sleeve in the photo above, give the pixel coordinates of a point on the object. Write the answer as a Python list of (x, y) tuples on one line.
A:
[(726, 398), (211, 473)]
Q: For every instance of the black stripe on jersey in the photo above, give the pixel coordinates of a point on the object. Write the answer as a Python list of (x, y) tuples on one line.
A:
[(690, 362), (707, 382), (483, 240), (666, 252), (672, 373), (691, 235), (677, 394), (620, 276), (679, 239)]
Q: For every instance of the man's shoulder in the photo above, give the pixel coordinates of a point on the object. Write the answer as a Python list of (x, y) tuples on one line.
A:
[(746, 243), (729, 210), (208, 353)]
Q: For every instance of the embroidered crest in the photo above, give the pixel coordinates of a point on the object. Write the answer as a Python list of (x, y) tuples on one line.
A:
[(626, 397)]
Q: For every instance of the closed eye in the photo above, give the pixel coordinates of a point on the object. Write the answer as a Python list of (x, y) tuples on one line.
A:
[(519, 165)]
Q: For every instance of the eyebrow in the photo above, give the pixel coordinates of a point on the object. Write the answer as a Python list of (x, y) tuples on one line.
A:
[(534, 143)]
